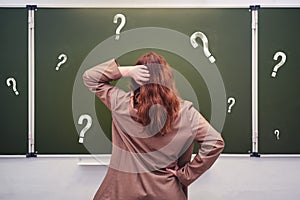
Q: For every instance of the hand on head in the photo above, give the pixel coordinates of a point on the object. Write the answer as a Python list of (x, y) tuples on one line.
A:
[(140, 74)]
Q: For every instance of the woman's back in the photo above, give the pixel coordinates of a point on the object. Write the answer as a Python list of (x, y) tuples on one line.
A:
[(139, 160), (141, 154)]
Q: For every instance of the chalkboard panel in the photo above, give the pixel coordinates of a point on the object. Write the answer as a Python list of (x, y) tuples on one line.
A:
[(76, 32), (279, 96), (13, 56)]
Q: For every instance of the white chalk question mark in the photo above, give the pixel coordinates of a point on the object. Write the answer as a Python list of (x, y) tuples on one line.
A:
[(283, 60), (276, 132), (122, 24), (87, 126), (64, 59), (205, 44), (14, 84), (231, 102)]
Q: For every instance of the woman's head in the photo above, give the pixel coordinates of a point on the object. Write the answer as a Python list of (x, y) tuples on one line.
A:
[(160, 89), (159, 70)]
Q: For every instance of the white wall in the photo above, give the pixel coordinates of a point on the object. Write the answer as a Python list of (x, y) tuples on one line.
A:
[(230, 178), (152, 3)]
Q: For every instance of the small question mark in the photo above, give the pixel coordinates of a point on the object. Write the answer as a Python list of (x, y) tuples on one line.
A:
[(14, 84), (122, 24), (87, 126), (231, 102), (61, 56), (276, 132), (205, 44), (283, 60)]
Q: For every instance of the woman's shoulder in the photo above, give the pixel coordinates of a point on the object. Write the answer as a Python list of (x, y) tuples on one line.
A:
[(186, 105), (187, 109)]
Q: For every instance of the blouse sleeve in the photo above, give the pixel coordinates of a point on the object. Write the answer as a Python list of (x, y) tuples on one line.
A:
[(97, 80), (211, 144)]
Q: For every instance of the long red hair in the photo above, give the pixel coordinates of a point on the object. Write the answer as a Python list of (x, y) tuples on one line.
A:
[(159, 91)]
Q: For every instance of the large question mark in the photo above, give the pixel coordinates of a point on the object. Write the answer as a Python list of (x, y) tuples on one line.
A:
[(88, 125), (14, 84), (276, 132), (64, 59), (205, 44), (231, 101), (122, 24), (283, 60)]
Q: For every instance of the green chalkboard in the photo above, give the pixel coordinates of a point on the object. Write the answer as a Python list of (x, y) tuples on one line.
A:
[(13, 57), (76, 32), (279, 104)]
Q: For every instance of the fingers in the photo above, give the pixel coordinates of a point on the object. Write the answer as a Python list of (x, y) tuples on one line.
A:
[(143, 69), (142, 66), (171, 171), (145, 73), (142, 74), (142, 77)]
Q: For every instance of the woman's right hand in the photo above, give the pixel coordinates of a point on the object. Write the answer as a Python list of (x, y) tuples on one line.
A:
[(139, 73)]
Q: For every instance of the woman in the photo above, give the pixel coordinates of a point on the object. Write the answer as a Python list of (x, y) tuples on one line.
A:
[(153, 131)]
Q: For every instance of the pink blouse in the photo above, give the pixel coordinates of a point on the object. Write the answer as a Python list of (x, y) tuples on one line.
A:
[(139, 159)]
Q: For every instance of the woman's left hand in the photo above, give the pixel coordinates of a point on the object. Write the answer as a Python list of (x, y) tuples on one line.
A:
[(173, 171)]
